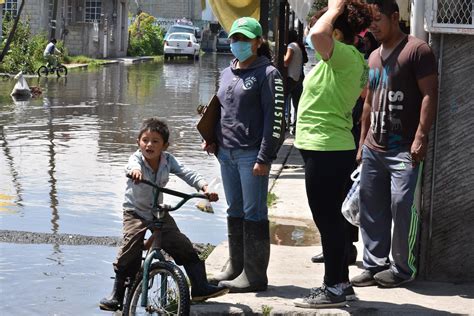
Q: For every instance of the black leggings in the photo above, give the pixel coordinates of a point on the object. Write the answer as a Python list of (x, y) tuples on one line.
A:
[(326, 175)]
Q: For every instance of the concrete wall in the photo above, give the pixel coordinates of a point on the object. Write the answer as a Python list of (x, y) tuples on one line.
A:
[(447, 235), (174, 9), (36, 12)]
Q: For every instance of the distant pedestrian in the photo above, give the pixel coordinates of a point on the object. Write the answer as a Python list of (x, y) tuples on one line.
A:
[(151, 162), (323, 135), (248, 137), (397, 117), (294, 60)]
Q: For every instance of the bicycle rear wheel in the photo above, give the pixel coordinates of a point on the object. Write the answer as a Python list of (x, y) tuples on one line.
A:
[(61, 71), (43, 71), (168, 292)]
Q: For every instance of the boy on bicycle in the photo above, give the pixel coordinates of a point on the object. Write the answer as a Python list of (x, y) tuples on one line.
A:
[(153, 163), (50, 53)]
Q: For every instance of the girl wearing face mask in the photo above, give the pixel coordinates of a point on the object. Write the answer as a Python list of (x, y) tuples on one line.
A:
[(248, 136)]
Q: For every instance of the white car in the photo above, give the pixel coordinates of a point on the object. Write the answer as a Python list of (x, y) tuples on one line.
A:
[(181, 44)]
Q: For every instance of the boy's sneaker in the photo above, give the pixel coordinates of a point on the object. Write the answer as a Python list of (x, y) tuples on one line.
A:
[(387, 278), (320, 297), (366, 278)]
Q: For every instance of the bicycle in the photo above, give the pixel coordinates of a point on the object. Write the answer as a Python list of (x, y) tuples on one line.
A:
[(160, 287), (44, 70)]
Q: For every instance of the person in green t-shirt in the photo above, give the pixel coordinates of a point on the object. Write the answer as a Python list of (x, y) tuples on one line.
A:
[(324, 138)]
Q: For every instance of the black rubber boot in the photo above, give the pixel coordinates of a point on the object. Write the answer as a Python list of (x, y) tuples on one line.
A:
[(235, 232), (115, 300), (256, 256), (201, 290)]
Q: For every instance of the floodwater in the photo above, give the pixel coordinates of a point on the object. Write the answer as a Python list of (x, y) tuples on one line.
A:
[(62, 159)]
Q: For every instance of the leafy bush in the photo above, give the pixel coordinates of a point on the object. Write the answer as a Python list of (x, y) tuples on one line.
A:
[(146, 37), (26, 50)]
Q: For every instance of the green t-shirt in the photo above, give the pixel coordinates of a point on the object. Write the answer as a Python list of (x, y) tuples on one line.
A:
[(330, 91)]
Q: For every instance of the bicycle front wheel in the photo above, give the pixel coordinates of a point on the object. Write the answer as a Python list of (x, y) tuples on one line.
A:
[(61, 71), (43, 71), (168, 292)]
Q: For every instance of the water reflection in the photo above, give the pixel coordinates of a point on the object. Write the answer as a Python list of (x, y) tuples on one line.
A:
[(293, 232), (63, 154)]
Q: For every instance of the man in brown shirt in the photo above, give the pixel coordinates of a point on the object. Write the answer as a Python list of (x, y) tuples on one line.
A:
[(398, 113)]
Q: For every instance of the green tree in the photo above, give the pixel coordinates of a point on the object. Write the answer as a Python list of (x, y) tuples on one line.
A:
[(24, 52), (146, 37)]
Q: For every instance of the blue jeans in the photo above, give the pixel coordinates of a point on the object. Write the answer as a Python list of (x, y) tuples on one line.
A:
[(246, 194)]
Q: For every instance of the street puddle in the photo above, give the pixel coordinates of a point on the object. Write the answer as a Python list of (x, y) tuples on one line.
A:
[(293, 232)]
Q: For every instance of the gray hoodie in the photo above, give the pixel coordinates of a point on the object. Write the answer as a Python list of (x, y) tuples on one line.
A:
[(252, 109)]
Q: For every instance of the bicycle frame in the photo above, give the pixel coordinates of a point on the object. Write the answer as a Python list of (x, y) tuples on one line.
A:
[(155, 252)]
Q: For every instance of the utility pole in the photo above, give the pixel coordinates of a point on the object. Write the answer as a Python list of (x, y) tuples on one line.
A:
[(54, 16), (264, 8)]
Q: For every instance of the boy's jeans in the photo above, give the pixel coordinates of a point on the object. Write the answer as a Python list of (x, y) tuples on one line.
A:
[(246, 194)]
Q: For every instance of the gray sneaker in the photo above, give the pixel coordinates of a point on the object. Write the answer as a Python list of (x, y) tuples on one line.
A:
[(366, 278), (388, 278), (321, 297)]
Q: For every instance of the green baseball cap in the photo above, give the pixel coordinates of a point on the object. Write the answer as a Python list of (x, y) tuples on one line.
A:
[(247, 26)]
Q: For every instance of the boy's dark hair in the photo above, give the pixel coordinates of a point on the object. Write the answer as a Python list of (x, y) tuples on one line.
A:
[(154, 124), (386, 7), (355, 19), (53, 40)]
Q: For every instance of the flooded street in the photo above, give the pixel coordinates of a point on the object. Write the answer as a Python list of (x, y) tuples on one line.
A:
[(62, 159), (63, 155)]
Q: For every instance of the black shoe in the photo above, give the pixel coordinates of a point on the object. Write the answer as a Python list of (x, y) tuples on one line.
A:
[(388, 278), (201, 290), (319, 258), (115, 300), (366, 278)]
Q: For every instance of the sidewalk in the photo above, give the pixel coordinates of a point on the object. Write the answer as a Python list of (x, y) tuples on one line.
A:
[(291, 272)]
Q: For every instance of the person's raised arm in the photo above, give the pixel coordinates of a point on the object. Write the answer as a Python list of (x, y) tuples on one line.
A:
[(429, 89), (321, 32)]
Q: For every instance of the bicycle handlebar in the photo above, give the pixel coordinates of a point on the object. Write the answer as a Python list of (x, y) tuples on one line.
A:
[(184, 196)]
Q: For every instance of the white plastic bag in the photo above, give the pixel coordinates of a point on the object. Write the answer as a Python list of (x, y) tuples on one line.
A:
[(204, 205), (350, 206), (21, 87)]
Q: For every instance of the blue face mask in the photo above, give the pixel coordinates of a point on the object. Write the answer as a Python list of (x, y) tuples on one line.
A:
[(241, 50), (309, 42)]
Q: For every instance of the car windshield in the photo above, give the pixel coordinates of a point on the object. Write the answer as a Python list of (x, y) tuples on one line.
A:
[(185, 37), (175, 29)]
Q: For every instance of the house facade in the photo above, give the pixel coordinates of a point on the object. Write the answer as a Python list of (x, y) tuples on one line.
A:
[(94, 28)]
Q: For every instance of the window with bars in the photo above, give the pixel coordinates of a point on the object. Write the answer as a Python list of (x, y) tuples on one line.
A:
[(50, 10), (450, 16), (10, 7), (69, 11), (92, 10)]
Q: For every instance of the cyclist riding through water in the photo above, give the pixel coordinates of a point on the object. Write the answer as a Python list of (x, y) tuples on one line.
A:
[(50, 53)]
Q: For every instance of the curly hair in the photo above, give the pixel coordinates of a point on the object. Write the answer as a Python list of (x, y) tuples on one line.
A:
[(356, 17)]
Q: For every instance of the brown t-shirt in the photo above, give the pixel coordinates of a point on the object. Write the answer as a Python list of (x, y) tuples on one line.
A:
[(396, 98)]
